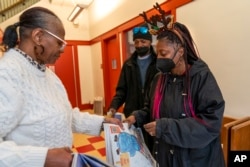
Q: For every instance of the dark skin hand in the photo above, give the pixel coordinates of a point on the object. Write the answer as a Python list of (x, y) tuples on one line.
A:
[(113, 111), (59, 157), (114, 121), (130, 120), (149, 127)]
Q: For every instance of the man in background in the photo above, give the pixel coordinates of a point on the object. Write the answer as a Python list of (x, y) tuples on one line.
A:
[(136, 74)]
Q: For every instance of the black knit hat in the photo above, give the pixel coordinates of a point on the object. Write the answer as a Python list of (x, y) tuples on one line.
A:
[(142, 32)]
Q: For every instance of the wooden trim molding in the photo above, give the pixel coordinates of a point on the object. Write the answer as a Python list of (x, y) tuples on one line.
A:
[(76, 43)]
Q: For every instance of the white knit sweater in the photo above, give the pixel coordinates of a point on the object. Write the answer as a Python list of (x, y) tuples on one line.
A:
[(35, 113)]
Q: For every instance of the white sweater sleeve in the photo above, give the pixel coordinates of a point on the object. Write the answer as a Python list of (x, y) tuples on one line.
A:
[(12, 155), (83, 122)]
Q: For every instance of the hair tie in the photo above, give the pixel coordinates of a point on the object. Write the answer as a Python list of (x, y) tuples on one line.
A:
[(16, 24)]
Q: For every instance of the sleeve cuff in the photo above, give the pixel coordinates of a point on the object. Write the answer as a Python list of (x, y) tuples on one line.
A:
[(38, 156)]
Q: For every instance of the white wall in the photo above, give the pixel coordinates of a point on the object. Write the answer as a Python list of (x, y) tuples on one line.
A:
[(86, 74), (97, 71), (104, 15), (62, 8), (222, 34)]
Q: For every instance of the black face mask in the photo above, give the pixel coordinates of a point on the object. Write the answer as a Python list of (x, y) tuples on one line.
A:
[(165, 65), (142, 51)]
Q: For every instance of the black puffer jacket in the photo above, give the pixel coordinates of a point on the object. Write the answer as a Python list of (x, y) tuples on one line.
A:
[(129, 90), (183, 141)]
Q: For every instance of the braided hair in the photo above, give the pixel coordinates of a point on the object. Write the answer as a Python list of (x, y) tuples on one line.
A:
[(180, 35), (36, 17)]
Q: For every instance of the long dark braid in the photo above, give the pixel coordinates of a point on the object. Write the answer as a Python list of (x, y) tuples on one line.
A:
[(182, 37), (190, 56)]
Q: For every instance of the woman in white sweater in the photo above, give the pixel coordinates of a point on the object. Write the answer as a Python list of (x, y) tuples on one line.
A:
[(36, 117)]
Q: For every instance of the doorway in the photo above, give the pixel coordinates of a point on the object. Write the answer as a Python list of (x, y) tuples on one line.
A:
[(111, 67)]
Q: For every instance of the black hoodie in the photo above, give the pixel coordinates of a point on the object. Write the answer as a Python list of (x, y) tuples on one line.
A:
[(182, 140)]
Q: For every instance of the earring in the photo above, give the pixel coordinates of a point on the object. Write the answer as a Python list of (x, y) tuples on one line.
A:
[(39, 50)]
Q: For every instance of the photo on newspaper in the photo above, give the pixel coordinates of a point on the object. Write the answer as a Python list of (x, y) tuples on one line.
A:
[(126, 147)]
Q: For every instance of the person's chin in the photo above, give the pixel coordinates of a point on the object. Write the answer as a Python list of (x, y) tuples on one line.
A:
[(53, 61), (56, 57)]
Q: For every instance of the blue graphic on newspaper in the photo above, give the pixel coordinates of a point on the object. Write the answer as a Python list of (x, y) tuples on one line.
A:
[(126, 148)]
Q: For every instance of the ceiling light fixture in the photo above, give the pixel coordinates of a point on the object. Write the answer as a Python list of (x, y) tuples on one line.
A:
[(78, 9)]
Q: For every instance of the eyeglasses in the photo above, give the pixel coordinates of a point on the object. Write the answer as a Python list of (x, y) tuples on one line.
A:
[(143, 30), (64, 43)]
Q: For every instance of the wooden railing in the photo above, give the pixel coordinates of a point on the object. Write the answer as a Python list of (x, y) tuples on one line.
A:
[(235, 134)]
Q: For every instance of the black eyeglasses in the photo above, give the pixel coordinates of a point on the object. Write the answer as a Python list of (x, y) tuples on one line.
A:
[(143, 30)]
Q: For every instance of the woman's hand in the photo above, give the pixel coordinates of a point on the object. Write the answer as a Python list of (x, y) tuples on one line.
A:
[(59, 157), (111, 112), (150, 128), (130, 120), (113, 121)]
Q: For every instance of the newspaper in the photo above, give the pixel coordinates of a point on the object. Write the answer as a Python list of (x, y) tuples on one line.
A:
[(126, 147)]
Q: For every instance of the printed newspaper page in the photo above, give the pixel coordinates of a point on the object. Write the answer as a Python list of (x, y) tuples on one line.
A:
[(126, 148)]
